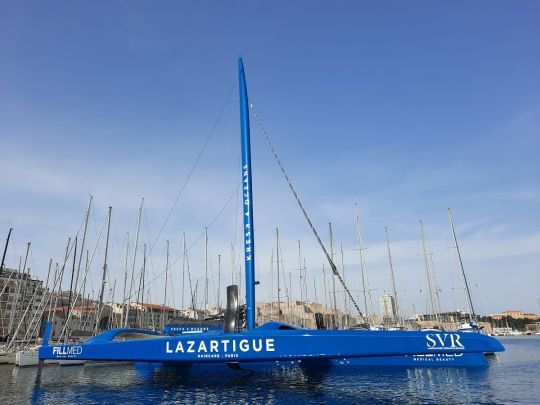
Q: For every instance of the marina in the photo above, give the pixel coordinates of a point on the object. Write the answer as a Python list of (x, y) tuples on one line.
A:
[(276, 344), (237, 341), (269, 203)]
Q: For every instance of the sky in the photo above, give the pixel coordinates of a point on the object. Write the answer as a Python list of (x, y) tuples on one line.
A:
[(406, 108)]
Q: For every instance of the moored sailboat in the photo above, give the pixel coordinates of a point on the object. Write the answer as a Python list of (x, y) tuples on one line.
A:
[(276, 343)]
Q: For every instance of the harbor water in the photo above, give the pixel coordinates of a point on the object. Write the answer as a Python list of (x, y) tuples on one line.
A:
[(513, 376)]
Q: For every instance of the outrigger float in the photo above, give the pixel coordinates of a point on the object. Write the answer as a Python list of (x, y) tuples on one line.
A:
[(274, 343)]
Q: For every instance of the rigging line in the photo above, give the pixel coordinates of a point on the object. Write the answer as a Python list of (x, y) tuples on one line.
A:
[(216, 217), (330, 261), (194, 166)]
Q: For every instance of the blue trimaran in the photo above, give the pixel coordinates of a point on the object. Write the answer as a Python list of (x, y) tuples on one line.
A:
[(275, 343)]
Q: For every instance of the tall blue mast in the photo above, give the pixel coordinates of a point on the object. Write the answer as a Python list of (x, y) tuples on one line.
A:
[(249, 245)]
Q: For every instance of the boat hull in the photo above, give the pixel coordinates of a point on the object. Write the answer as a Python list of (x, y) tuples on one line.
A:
[(469, 360), (65, 363), (269, 344), (25, 359), (30, 359), (7, 358)]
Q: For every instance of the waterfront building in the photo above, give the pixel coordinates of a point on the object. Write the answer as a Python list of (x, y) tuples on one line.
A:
[(532, 328), (512, 313), (19, 302), (150, 316), (82, 321), (303, 314), (388, 308)]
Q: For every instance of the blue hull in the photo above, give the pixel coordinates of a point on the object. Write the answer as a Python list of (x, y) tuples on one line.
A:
[(476, 360), (426, 360), (275, 342)]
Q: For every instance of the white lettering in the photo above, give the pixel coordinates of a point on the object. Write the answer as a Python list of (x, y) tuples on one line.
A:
[(259, 348), (438, 341), (441, 340), (455, 341), (67, 350), (431, 342), (225, 347), (244, 345)]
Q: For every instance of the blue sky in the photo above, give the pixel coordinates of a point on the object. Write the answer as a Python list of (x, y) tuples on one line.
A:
[(405, 108)]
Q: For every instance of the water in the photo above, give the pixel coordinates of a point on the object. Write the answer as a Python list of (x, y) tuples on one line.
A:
[(513, 376)]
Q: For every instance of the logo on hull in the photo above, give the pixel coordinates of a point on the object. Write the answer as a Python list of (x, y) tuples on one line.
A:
[(444, 341), (67, 350), (220, 347)]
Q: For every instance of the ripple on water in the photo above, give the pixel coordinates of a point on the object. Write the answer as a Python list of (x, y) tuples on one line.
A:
[(511, 377)]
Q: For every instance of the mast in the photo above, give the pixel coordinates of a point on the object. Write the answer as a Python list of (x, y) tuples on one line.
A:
[(72, 274), (463, 276), (61, 277), (5, 249), (143, 277), (315, 299), (289, 296), (21, 278), (271, 294), (435, 287), (346, 322), (206, 272), (183, 268), (192, 293), (278, 286), (166, 282), (84, 306), (392, 274), (104, 275), (306, 294), (300, 281), (26, 279), (140, 294), (430, 285), (82, 243), (334, 309), (112, 292), (324, 291), (123, 307), (133, 265), (219, 282), (249, 242), (362, 260)]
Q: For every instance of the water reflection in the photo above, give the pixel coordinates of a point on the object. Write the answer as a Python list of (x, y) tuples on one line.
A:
[(510, 377)]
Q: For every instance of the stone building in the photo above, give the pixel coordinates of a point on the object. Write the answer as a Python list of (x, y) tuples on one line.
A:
[(20, 299), (303, 314)]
